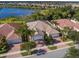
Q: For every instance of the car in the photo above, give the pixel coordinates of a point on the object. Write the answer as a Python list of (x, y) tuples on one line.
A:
[(41, 52)]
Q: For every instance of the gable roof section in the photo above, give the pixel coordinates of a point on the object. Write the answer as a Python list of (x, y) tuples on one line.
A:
[(15, 25), (5, 29), (8, 31), (67, 23), (42, 26)]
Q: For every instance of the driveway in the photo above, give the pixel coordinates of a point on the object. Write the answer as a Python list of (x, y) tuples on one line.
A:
[(13, 53)]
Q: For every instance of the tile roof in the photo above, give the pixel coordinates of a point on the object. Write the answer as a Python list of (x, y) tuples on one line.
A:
[(6, 30), (66, 22), (15, 25), (13, 36), (42, 26)]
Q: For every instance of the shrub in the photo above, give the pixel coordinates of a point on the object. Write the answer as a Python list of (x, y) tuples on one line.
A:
[(4, 49), (70, 44)]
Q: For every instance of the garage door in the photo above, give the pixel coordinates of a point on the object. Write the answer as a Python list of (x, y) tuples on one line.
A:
[(14, 41)]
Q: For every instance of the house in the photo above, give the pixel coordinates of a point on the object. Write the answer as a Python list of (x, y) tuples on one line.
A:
[(9, 32), (68, 23), (41, 27)]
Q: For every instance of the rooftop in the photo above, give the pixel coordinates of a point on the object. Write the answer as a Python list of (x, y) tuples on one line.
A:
[(68, 23), (8, 31), (41, 26)]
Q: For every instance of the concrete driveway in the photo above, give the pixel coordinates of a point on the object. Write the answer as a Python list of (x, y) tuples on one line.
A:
[(13, 52)]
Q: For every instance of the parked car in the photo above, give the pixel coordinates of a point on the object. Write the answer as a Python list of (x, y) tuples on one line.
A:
[(41, 52)]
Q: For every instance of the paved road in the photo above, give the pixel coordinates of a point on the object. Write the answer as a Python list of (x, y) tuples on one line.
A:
[(54, 54)]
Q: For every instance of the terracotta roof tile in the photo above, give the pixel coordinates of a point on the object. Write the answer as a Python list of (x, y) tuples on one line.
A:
[(15, 25), (65, 23), (6, 29)]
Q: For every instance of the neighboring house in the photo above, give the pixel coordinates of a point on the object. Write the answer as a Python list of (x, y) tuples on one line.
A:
[(41, 26), (68, 23), (61, 23), (8, 31)]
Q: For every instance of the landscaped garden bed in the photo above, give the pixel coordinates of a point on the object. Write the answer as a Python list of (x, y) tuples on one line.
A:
[(52, 47), (27, 46), (25, 53)]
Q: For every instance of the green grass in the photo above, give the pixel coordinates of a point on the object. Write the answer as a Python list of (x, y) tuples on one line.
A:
[(24, 53), (52, 47)]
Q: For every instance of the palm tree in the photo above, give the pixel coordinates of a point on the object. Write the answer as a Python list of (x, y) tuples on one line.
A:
[(25, 32), (65, 32)]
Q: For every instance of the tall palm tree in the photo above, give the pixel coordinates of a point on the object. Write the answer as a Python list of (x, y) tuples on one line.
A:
[(25, 32)]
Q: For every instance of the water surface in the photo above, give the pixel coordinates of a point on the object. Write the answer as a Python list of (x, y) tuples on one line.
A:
[(8, 12)]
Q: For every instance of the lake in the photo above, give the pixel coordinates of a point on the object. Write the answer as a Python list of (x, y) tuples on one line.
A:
[(8, 12)]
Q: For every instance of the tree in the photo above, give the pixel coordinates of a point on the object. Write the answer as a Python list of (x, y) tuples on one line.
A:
[(65, 32), (74, 35), (3, 44), (76, 15), (28, 46), (47, 39), (71, 12), (72, 53), (25, 33)]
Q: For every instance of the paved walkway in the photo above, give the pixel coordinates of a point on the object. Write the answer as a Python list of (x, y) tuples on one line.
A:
[(15, 48)]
